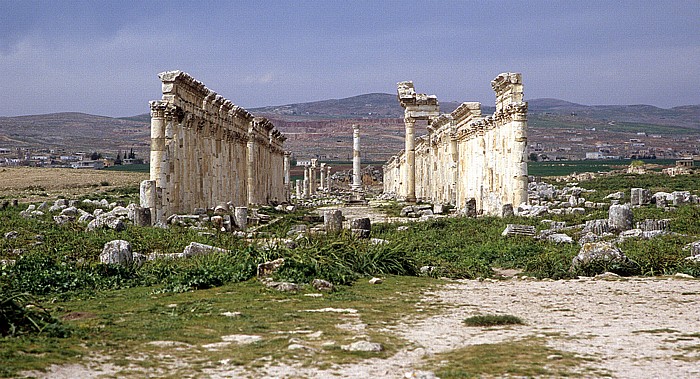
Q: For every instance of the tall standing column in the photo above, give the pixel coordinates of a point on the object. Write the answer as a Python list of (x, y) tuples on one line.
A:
[(312, 176), (150, 191), (306, 182), (298, 189), (328, 178), (250, 178), (410, 150), (356, 175), (287, 179), (322, 187), (520, 155)]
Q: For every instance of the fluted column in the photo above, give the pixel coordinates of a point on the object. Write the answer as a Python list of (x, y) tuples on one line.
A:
[(410, 149), (356, 175)]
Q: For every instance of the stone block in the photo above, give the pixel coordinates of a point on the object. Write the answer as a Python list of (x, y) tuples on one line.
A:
[(332, 220), (620, 217)]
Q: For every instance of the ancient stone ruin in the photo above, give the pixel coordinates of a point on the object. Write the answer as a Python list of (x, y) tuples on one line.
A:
[(465, 155), (207, 151)]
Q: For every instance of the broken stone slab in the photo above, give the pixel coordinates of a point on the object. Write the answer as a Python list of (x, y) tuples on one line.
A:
[(63, 219), (653, 224), (375, 280), (518, 230), (282, 286), (117, 252), (322, 285), (615, 196), (268, 268), (602, 256), (108, 222), (559, 238), (11, 235), (598, 227), (196, 248), (363, 346)]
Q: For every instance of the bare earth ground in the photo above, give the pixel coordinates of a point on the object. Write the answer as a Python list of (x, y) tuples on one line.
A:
[(28, 184), (627, 328)]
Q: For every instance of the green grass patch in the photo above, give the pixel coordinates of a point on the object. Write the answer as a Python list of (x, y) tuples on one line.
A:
[(493, 320), (525, 358)]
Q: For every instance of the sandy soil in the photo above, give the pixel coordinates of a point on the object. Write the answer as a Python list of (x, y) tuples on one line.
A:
[(37, 184), (628, 328)]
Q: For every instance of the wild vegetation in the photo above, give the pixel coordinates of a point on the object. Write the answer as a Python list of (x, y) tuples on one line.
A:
[(57, 301)]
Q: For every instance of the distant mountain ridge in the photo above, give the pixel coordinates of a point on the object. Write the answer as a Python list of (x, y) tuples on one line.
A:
[(384, 105), (313, 125)]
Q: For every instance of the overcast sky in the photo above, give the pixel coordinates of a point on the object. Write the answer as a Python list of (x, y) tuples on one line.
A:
[(103, 57)]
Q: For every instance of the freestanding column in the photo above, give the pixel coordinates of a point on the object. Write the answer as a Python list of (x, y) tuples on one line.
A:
[(312, 176), (328, 178), (322, 187), (306, 182), (158, 109), (298, 189), (410, 149), (356, 175)]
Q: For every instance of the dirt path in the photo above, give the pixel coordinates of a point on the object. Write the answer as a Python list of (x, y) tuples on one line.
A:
[(627, 328)]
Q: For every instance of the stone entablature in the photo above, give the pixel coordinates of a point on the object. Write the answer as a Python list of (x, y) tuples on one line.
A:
[(207, 151), (464, 155)]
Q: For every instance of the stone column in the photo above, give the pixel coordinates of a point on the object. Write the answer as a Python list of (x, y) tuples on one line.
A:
[(312, 176), (322, 187), (158, 109), (410, 150), (250, 177), (356, 174), (306, 182), (520, 155), (287, 179), (298, 189), (328, 178)]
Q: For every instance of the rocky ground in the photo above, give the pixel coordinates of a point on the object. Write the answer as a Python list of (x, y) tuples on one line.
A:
[(625, 328)]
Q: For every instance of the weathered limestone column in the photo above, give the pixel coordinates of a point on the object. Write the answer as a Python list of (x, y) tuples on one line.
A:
[(410, 149), (328, 178), (520, 155), (306, 182), (153, 202), (287, 182), (356, 174), (298, 189), (312, 176), (322, 187), (250, 177)]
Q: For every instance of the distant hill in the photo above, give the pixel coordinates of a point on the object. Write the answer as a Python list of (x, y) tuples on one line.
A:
[(74, 132), (323, 128), (384, 105)]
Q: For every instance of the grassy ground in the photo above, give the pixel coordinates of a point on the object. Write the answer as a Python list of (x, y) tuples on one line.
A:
[(122, 325)]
